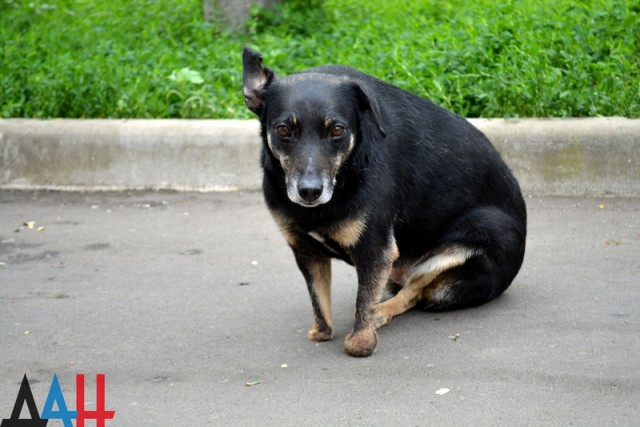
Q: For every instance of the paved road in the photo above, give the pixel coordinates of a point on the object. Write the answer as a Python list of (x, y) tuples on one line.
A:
[(182, 299)]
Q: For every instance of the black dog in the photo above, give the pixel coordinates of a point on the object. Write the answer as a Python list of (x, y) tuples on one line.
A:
[(413, 196)]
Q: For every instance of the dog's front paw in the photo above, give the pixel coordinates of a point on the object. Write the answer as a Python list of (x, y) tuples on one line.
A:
[(320, 334), (361, 343)]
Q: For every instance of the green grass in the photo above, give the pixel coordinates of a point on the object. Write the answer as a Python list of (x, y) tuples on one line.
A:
[(156, 58)]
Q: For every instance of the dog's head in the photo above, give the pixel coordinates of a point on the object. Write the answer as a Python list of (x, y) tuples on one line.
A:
[(310, 122)]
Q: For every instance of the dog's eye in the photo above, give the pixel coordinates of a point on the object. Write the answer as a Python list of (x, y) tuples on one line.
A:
[(337, 131), (283, 131)]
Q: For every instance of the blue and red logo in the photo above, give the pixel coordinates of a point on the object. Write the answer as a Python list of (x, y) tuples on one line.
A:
[(56, 397)]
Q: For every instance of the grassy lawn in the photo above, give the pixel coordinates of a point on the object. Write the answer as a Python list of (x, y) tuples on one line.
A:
[(156, 58)]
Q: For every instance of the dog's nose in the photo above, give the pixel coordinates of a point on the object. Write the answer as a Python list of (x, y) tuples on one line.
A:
[(310, 189)]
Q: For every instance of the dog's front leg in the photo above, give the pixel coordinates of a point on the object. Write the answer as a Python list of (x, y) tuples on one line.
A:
[(316, 269), (373, 268)]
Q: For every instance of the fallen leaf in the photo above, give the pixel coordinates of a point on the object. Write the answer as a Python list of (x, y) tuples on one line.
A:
[(254, 263), (284, 366), (252, 383), (455, 337), (601, 206), (442, 391), (29, 224), (41, 228)]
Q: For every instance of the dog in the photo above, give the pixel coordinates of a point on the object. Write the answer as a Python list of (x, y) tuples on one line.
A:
[(410, 194)]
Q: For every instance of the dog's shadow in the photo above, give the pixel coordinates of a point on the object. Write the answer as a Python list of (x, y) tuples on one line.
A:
[(414, 329), (419, 328)]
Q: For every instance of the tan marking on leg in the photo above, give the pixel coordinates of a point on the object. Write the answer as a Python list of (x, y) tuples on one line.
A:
[(284, 225), (446, 259), (437, 289), (348, 233), (321, 272), (420, 280), (315, 334), (402, 302)]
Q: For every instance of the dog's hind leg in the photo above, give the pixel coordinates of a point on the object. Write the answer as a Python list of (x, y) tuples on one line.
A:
[(500, 237), (477, 260), (424, 278)]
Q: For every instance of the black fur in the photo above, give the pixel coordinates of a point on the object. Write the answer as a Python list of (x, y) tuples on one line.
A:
[(418, 174)]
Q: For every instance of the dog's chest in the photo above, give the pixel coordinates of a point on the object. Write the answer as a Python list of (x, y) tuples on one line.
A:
[(333, 248), (329, 244), (340, 238), (346, 233)]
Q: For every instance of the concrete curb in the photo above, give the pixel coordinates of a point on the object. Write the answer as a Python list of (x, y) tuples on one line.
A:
[(568, 157), (190, 155)]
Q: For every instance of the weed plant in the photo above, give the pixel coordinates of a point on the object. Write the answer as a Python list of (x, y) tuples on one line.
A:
[(158, 59)]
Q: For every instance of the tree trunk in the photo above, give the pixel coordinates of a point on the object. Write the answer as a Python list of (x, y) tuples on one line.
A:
[(207, 10), (236, 12)]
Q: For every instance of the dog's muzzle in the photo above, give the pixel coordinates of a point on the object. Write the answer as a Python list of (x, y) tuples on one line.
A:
[(310, 191)]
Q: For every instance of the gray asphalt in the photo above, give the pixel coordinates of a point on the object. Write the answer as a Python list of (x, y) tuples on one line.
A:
[(182, 299)]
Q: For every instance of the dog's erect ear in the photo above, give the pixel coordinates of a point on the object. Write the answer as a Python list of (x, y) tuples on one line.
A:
[(367, 102), (255, 80)]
